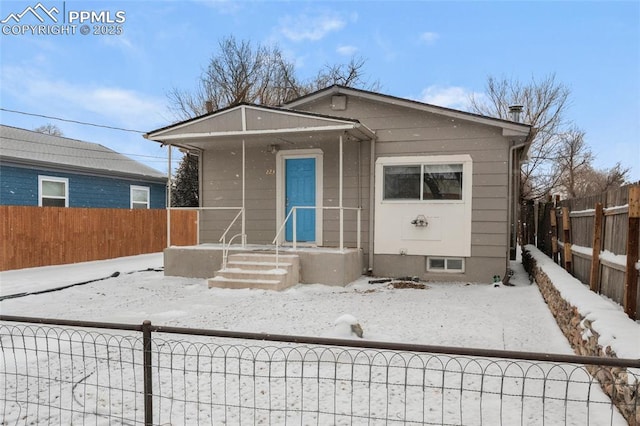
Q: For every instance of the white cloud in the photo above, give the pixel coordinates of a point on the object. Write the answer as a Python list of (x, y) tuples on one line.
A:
[(114, 105), (313, 28), (346, 50), (429, 37), (448, 96)]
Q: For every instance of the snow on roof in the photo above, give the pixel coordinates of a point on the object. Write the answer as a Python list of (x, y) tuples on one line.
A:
[(34, 148)]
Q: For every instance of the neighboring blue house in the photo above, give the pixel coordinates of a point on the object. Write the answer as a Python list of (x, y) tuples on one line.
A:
[(38, 169)]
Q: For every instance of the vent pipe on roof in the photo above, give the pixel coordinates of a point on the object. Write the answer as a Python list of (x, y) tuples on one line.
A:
[(514, 112), (209, 106)]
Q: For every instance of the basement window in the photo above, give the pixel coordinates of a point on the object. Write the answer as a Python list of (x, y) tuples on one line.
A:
[(53, 191), (445, 264)]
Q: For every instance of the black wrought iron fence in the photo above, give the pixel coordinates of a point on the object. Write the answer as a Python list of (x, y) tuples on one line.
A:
[(66, 372)]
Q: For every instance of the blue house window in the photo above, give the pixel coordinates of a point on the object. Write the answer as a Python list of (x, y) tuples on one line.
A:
[(139, 197), (53, 191)]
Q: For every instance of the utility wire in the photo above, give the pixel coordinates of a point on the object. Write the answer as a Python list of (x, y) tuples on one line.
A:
[(105, 150), (72, 121)]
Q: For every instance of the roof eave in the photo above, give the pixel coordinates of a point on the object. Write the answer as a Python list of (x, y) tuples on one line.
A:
[(333, 124), (79, 169), (453, 113)]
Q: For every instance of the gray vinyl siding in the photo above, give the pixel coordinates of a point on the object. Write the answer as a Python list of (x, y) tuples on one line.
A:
[(403, 131), (222, 186), (400, 131)]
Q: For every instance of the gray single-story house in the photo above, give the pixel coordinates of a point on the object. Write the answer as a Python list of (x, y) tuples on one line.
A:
[(38, 169), (352, 181)]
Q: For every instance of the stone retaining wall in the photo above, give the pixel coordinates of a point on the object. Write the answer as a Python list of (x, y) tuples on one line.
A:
[(584, 340)]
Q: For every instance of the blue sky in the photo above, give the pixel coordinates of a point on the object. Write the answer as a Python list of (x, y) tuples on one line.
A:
[(437, 52)]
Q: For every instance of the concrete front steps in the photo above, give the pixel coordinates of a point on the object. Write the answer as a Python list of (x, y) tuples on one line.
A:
[(258, 270)]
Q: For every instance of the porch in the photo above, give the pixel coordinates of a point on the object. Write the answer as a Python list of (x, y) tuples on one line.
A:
[(278, 182), (322, 265)]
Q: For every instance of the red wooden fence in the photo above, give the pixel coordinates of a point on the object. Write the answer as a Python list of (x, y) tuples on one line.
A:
[(40, 236)]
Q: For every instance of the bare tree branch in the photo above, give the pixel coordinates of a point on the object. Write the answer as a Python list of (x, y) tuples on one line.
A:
[(544, 102), (242, 71)]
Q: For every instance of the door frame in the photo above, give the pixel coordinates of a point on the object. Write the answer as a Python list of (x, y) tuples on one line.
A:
[(281, 158)]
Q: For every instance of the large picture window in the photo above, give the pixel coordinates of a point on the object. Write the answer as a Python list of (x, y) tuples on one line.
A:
[(53, 191), (423, 182)]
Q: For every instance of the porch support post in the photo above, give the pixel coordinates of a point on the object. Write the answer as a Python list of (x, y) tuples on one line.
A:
[(168, 201), (244, 168), (340, 195), (372, 203)]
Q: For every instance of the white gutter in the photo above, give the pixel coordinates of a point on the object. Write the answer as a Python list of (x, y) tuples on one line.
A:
[(187, 136)]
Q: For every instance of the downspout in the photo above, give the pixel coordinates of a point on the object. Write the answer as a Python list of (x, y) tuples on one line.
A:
[(372, 194), (511, 201)]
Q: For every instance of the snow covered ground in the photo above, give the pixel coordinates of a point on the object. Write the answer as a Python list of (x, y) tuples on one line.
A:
[(459, 314)]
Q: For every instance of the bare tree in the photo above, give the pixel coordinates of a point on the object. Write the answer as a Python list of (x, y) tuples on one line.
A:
[(349, 74), (544, 102), (591, 181), (574, 158), (49, 129), (242, 71)]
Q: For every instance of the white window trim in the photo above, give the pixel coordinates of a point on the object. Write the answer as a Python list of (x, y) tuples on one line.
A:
[(139, 188), (281, 157), (446, 270), (388, 230), (43, 178)]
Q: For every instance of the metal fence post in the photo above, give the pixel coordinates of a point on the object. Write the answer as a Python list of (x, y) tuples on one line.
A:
[(148, 388)]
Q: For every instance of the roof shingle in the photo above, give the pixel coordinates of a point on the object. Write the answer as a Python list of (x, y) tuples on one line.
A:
[(29, 147)]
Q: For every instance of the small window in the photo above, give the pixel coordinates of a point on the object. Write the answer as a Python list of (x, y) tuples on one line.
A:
[(445, 264), (53, 191), (139, 197)]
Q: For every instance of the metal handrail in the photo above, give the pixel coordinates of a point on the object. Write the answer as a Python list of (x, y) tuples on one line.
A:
[(225, 250), (293, 212), (226, 231), (225, 245), (199, 210)]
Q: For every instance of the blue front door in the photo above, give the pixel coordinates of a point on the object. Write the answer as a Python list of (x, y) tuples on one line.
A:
[(300, 183)]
